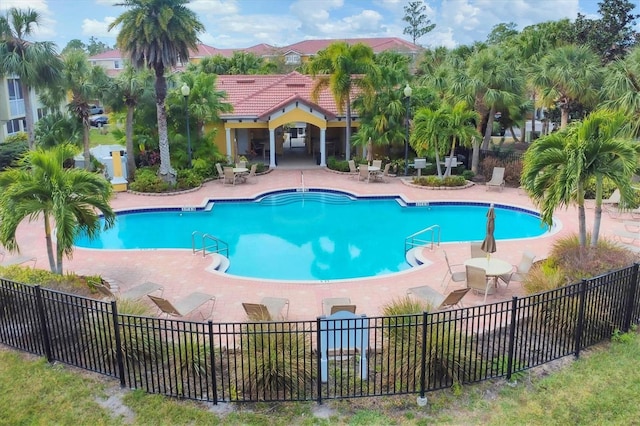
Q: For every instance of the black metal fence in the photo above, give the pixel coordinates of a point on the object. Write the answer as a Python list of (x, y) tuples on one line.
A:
[(352, 356)]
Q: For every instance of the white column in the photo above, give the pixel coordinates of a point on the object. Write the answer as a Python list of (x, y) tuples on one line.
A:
[(227, 133), (272, 148), (323, 147)]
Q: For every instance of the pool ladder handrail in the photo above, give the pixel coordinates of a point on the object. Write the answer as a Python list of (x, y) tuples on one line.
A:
[(217, 245), (412, 241)]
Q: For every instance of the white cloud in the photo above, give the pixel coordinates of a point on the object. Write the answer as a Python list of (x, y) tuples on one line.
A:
[(46, 29), (95, 28), (212, 8)]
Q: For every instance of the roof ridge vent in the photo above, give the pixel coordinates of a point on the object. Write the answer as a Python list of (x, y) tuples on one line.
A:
[(296, 84), (246, 80)]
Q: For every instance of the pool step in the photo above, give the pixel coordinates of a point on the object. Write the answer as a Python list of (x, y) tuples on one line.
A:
[(414, 257), (219, 262)]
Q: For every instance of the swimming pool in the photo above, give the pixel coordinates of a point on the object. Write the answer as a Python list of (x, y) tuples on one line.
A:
[(312, 235)]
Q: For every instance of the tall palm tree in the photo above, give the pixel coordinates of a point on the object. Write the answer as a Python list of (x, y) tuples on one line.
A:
[(66, 198), (35, 63), (557, 166), (427, 134), (156, 34), (621, 88), (488, 82), (342, 68), (382, 111), (568, 74), (85, 82), (125, 92), (459, 128)]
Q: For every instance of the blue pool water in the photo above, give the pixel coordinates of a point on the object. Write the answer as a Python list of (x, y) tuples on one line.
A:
[(312, 235)]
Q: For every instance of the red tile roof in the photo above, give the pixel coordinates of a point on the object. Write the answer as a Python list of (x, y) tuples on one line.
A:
[(379, 44), (201, 51), (256, 96)]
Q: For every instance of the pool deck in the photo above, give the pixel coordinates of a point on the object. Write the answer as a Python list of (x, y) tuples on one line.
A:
[(181, 272)]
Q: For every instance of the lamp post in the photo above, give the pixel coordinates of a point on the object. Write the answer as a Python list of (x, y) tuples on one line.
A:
[(407, 95), (185, 93)]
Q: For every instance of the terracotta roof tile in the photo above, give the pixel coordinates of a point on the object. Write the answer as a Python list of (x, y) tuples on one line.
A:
[(379, 44), (258, 95)]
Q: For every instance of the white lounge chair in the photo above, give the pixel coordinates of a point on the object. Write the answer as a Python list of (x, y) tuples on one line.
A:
[(497, 179), (329, 302), (439, 301), (16, 260), (269, 309), (185, 306)]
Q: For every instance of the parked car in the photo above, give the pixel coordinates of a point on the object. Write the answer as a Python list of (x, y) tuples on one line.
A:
[(99, 121), (95, 109)]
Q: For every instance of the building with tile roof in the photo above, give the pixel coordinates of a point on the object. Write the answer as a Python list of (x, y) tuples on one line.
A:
[(264, 106)]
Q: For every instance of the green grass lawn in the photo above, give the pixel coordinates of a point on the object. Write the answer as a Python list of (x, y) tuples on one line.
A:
[(602, 387), (96, 138)]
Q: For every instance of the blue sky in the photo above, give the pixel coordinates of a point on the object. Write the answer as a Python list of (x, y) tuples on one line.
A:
[(244, 23)]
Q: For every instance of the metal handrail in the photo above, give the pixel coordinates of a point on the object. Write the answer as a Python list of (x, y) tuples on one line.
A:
[(411, 241), (217, 245)]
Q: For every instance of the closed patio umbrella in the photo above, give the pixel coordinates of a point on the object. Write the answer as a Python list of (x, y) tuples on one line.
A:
[(369, 151), (489, 243)]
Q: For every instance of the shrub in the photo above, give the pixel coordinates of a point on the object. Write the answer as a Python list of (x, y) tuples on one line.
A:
[(273, 360), (449, 181), (339, 165), (17, 137), (187, 179), (447, 357), (69, 282), (10, 152)]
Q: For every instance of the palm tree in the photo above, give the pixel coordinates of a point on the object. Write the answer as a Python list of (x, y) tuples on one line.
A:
[(459, 128), (35, 63), (339, 67), (126, 91), (85, 82), (382, 112), (557, 166), (66, 198), (205, 103), (568, 74), (156, 34), (621, 87), (427, 134), (488, 82)]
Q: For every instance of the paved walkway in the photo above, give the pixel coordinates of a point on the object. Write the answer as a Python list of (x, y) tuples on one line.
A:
[(181, 272)]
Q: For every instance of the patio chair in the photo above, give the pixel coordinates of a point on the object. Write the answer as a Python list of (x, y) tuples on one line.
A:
[(497, 179), (252, 173), (229, 176), (477, 281), (521, 270), (185, 306), (220, 172), (385, 172), (343, 308), (136, 292), (329, 302), (269, 309), (456, 277), (363, 173), (16, 260), (476, 250), (353, 170), (437, 300), (377, 163)]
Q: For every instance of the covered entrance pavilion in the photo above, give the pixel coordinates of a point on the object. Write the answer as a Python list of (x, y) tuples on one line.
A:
[(275, 120)]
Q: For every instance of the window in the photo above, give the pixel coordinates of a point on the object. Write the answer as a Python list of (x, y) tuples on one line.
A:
[(116, 64), (42, 112), (16, 100), (292, 58), (13, 126)]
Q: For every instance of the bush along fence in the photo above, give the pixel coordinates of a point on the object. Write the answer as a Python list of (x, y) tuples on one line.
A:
[(342, 356)]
